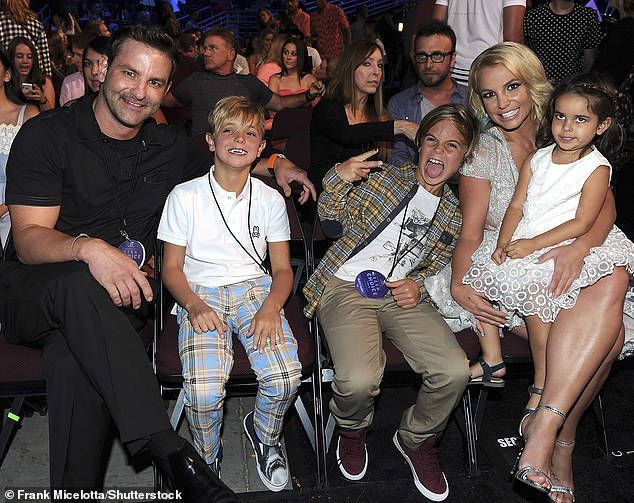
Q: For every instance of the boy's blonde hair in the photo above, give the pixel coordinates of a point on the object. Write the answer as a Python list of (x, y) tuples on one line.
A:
[(236, 108), (461, 118)]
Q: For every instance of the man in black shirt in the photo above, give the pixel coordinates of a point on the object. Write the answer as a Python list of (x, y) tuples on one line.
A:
[(85, 187)]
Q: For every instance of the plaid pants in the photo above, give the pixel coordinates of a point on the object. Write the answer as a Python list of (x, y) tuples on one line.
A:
[(207, 360)]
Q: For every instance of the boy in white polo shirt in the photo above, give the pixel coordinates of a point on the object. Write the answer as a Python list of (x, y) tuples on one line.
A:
[(216, 229)]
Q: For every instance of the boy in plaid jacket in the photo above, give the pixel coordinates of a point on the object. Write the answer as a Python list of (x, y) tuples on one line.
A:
[(395, 227)]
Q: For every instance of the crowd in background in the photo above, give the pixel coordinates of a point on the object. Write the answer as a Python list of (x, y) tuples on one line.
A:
[(55, 34)]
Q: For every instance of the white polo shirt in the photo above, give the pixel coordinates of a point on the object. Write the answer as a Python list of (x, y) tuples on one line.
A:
[(213, 257)]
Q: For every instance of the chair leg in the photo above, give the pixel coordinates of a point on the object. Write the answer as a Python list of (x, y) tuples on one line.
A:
[(318, 411), (469, 423), (330, 430), (10, 424), (602, 433), (305, 420), (179, 408)]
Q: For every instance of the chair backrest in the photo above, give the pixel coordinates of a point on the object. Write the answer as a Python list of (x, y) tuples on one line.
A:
[(290, 121), (20, 370), (297, 230), (290, 133), (168, 364), (297, 149)]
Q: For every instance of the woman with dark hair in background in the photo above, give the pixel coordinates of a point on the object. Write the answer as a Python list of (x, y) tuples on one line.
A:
[(296, 76), (167, 19), (95, 64), (17, 19), (14, 110), (352, 118), (35, 86)]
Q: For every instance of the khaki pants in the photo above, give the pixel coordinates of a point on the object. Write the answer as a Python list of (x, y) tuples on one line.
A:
[(353, 326)]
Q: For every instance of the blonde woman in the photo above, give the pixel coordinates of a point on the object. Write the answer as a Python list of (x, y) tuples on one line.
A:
[(272, 62), (508, 86)]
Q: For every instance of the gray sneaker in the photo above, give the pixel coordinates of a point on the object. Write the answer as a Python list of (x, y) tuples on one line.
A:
[(270, 461)]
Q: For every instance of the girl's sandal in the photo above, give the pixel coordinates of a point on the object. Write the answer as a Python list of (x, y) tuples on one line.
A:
[(486, 379)]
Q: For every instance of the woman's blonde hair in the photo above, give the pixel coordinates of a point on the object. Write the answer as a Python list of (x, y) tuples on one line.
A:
[(342, 87), (18, 10), (239, 109), (275, 52), (521, 62)]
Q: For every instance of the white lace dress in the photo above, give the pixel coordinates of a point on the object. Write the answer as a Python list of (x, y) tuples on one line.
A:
[(7, 134), (552, 199)]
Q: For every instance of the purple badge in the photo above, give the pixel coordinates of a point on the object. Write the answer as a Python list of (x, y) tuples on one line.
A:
[(134, 249), (371, 284)]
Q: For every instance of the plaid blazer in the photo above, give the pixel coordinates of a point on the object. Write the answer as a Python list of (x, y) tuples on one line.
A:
[(365, 209), (34, 31)]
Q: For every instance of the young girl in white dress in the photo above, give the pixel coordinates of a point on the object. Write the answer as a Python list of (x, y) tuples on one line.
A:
[(558, 197)]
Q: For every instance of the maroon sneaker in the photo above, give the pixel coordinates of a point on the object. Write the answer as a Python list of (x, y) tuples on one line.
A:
[(428, 477), (352, 456)]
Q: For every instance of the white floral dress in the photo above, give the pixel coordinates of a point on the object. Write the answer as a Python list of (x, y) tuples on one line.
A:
[(553, 197), (7, 134)]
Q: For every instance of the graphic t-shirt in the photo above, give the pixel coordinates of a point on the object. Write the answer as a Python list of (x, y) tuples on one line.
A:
[(385, 252)]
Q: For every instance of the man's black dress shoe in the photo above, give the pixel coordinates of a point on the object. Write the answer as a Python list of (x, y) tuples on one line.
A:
[(187, 472)]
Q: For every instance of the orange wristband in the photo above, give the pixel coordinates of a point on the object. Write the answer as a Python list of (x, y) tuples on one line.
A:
[(270, 165)]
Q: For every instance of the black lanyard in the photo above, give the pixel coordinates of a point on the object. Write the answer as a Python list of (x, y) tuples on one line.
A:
[(259, 262), (122, 211)]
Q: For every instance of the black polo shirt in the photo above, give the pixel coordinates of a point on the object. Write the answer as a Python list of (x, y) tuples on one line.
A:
[(60, 159)]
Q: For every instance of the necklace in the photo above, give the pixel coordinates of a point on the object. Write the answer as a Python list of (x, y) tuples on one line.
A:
[(260, 261)]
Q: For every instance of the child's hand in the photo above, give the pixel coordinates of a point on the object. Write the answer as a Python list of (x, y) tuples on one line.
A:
[(266, 324), (520, 248), (358, 168), (406, 292), (204, 319), (499, 255)]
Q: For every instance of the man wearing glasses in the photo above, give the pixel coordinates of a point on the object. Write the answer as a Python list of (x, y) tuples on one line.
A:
[(433, 56)]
